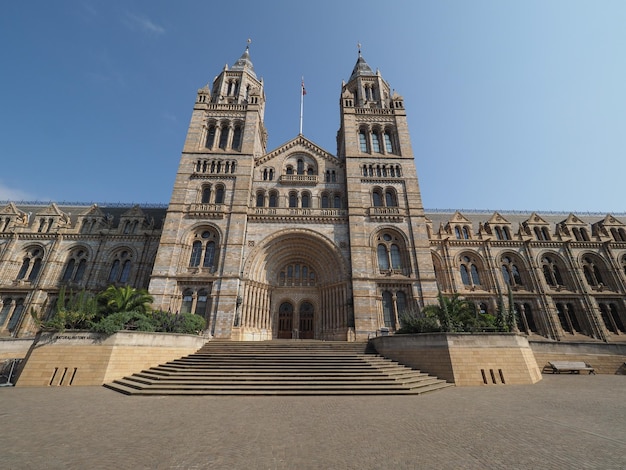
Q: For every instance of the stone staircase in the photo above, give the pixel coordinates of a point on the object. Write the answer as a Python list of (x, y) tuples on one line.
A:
[(280, 367)]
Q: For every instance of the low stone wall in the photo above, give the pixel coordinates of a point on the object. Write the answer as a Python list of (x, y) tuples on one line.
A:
[(465, 359), (14, 348), (84, 358), (606, 358)]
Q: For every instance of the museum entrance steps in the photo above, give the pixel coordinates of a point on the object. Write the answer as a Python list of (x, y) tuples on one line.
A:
[(280, 367)]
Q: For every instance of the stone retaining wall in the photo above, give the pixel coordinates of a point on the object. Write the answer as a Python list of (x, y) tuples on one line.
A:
[(14, 348), (84, 358), (465, 359), (606, 358)]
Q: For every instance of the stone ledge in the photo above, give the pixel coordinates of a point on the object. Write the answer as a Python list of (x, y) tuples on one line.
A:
[(85, 358), (465, 359)]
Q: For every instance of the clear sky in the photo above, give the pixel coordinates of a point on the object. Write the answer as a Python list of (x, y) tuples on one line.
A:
[(511, 105)]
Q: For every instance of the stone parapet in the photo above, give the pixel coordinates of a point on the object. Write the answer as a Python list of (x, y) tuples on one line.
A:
[(84, 358), (465, 359)]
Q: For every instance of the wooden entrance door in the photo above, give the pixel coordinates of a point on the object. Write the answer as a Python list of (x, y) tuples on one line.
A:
[(307, 330), (285, 320)]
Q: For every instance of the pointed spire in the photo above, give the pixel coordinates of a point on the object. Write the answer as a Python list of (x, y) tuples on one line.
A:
[(361, 68), (244, 62)]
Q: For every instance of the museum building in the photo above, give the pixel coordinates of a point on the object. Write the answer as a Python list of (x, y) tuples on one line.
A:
[(301, 243)]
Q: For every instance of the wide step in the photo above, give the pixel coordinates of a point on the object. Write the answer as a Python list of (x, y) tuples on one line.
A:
[(279, 368)]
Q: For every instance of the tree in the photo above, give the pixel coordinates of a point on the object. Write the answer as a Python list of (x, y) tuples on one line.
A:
[(124, 299)]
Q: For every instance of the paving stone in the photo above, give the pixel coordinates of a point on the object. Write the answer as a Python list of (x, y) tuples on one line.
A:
[(562, 422)]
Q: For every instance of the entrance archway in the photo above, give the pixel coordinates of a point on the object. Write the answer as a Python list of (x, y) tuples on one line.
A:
[(296, 286)]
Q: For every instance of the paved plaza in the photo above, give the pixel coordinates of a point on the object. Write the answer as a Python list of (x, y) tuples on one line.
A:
[(564, 421)]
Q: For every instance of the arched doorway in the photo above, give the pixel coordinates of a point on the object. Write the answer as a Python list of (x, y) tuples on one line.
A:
[(307, 327), (296, 286), (285, 320)]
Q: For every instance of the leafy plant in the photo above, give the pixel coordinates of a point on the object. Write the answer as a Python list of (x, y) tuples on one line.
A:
[(116, 299), (124, 321)]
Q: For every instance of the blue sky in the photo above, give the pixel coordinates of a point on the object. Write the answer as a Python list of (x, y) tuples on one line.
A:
[(511, 105)]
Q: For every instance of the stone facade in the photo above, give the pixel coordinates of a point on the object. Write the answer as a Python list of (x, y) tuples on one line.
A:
[(300, 243)]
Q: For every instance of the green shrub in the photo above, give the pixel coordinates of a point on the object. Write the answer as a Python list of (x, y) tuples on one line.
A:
[(187, 323), (411, 323), (124, 321)]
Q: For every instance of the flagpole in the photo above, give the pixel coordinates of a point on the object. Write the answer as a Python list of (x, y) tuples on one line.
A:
[(301, 103)]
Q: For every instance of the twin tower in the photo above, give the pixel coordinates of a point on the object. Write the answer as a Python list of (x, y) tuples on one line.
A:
[(295, 242)]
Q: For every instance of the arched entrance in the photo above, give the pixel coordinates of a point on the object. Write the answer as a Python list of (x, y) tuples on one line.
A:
[(296, 286)]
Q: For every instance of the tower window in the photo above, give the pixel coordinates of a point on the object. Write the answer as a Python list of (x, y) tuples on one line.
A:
[(375, 142), (237, 138), (210, 137), (363, 141), (388, 144)]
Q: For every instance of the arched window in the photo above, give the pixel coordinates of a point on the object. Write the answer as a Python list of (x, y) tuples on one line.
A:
[(470, 275), (219, 194), (337, 201), (457, 232), (396, 257), (300, 166), (390, 198), (204, 247), (120, 268), (209, 255), (206, 195), (551, 272), (31, 265), (375, 142), (224, 137), (293, 199), (498, 233), (389, 252), (196, 253), (388, 142), (325, 204), (237, 138), (202, 301), (185, 306), (592, 272), (296, 274), (377, 198), (363, 141), (210, 136), (75, 266), (273, 199), (14, 321), (289, 170), (260, 199), (466, 232), (510, 272), (305, 200), (383, 257)]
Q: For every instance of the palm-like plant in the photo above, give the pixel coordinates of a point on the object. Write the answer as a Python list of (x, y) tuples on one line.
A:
[(125, 299), (450, 311)]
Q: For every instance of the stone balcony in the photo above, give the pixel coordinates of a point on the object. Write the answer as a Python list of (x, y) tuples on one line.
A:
[(289, 212), (386, 213), (308, 180), (206, 211)]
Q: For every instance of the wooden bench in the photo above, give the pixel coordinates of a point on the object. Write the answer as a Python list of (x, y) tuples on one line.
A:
[(573, 367)]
